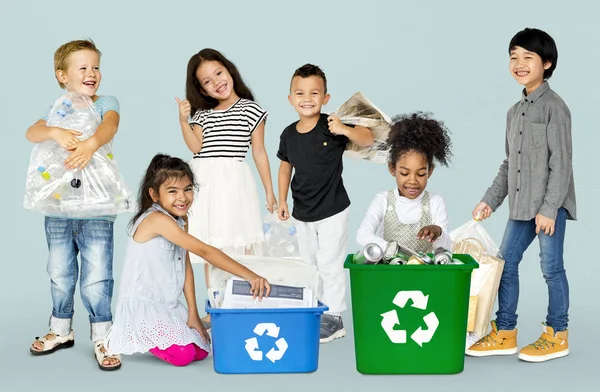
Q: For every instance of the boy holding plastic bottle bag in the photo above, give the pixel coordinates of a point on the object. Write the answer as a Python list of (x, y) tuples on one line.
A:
[(73, 180)]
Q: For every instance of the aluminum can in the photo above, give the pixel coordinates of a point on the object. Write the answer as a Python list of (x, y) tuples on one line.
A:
[(415, 260), (408, 253), (390, 251), (442, 256), (397, 261), (370, 254), (426, 259)]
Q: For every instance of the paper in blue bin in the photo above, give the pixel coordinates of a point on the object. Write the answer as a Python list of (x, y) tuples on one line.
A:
[(237, 295), (241, 287)]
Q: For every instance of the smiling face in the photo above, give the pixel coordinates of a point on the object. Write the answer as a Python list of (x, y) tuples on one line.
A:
[(307, 95), (216, 81), (527, 68), (412, 172), (174, 195), (82, 74)]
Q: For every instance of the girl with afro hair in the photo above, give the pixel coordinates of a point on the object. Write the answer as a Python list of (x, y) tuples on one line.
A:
[(408, 213)]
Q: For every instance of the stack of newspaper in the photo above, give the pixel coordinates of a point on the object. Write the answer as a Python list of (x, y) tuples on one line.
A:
[(237, 295), (294, 284)]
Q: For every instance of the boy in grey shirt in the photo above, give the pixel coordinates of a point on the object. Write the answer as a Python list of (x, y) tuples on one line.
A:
[(537, 176)]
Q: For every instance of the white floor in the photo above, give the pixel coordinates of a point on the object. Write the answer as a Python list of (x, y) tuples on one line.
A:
[(75, 369)]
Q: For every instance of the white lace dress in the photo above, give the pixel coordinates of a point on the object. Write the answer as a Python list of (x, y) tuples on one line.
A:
[(149, 313)]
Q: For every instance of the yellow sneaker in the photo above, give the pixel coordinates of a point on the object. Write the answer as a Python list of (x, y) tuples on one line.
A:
[(550, 345), (495, 343)]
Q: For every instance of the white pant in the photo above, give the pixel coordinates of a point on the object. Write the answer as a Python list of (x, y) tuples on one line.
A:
[(323, 243)]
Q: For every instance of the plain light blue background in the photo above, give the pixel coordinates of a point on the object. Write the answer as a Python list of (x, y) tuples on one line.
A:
[(449, 58)]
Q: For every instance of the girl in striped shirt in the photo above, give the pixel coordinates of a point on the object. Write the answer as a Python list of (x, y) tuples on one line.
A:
[(225, 122)]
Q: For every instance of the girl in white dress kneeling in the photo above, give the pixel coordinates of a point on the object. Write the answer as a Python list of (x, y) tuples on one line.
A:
[(157, 269)]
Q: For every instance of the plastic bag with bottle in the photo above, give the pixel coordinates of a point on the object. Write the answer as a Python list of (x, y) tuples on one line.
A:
[(52, 189), (471, 238), (281, 239)]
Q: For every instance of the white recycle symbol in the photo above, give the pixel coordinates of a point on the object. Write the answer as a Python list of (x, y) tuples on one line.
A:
[(273, 355), (390, 319)]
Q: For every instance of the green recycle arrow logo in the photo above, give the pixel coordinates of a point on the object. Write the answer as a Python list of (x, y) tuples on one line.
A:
[(390, 319)]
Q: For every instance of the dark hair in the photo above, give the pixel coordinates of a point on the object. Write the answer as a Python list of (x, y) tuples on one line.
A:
[(161, 169), (539, 42), (193, 89), (310, 70), (419, 132)]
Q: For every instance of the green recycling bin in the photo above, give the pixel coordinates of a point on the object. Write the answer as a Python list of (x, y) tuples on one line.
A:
[(410, 319)]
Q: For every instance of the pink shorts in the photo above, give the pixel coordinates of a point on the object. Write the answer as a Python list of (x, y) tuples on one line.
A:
[(180, 355)]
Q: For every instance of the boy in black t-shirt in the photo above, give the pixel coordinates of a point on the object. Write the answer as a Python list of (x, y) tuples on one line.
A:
[(313, 147)]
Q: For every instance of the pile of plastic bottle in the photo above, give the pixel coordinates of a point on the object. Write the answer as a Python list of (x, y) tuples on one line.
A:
[(280, 237), (53, 189)]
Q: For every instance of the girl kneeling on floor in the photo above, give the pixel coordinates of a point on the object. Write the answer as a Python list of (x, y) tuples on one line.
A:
[(157, 269)]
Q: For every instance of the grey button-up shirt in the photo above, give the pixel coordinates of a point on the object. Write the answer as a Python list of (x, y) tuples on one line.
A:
[(537, 174)]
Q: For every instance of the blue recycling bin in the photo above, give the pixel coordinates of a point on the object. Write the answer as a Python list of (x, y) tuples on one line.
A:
[(281, 340)]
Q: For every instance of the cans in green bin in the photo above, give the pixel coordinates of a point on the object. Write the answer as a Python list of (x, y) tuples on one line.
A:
[(414, 260), (430, 330), (442, 256), (398, 260), (370, 254), (390, 251), (407, 254), (426, 259)]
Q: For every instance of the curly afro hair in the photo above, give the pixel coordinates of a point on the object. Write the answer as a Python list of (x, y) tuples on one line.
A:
[(421, 133)]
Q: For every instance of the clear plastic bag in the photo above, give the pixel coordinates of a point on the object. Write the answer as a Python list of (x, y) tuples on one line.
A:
[(358, 110), (471, 238), (280, 237), (474, 229), (96, 190)]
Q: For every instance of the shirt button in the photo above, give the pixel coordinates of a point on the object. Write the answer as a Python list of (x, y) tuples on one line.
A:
[(518, 171), (179, 258), (517, 189), (519, 151), (520, 133), (523, 114)]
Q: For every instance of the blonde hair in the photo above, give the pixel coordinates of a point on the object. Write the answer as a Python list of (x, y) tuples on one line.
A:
[(62, 54)]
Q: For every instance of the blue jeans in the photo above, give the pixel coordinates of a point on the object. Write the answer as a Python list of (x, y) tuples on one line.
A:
[(93, 240), (517, 238)]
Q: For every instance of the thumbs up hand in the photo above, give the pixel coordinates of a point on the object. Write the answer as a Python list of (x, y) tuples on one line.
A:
[(184, 110)]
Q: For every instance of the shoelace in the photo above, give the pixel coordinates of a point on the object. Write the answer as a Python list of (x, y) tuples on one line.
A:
[(330, 323), (542, 344), (488, 339)]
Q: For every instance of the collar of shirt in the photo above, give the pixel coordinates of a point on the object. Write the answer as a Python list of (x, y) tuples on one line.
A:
[(406, 200), (534, 96), (180, 221)]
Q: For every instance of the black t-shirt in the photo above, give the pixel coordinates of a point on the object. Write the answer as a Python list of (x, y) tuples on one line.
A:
[(316, 156)]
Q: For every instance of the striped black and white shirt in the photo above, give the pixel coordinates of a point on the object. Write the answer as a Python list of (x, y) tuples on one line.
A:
[(227, 133)]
